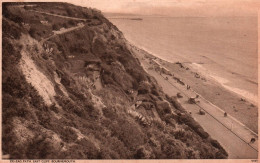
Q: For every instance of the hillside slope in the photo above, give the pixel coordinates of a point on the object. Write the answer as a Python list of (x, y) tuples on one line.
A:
[(72, 89)]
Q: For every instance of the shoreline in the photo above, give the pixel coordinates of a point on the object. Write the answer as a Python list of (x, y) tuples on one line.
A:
[(211, 90), (225, 83), (232, 132)]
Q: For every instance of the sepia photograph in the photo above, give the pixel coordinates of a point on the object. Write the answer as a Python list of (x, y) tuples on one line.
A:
[(129, 80)]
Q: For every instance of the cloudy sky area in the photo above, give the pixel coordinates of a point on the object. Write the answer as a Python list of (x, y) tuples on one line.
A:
[(176, 7)]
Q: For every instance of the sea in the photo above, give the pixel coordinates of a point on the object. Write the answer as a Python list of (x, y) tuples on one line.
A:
[(223, 48)]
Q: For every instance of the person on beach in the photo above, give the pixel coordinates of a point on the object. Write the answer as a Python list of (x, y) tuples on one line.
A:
[(225, 114), (188, 87), (201, 112), (252, 140)]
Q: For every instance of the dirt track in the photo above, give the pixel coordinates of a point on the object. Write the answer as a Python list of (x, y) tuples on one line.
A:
[(61, 16)]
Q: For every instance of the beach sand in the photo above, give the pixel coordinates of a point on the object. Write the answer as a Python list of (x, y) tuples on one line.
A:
[(206, 86), (233, 132)]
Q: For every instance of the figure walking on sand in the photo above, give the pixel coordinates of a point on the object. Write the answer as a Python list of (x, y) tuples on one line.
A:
[(225, 114), (252, 140), (188, 87)]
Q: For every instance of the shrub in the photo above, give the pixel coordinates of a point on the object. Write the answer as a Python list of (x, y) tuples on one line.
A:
[(68, 135), (163, 109), (41, 148), (221, 153), (32, 32), (11, 30), (137, 75), (109, 113), (55, 27), (173, 100), (69, 11), (72, 22), (122, 129), (65, 25), (170, 151), (107, 79), (188, 120)]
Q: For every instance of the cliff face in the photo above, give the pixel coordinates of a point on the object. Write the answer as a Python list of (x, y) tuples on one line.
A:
[(72, 88)]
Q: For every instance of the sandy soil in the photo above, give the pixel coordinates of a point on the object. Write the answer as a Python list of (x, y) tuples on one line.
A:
[(234, 131), (34, 76)]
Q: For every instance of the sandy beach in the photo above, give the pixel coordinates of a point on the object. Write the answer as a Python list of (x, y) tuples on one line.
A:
[(213, 98), (235, 105)]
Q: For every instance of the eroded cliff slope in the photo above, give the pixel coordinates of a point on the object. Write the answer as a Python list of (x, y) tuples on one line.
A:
[(73, 89)]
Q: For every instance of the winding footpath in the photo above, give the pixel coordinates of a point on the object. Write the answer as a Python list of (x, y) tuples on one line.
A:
[(61, 16), (61, 32)]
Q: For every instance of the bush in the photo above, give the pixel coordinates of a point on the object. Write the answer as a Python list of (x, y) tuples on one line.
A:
[(11, 55), (221, 153), (107, 79), (109, 113), (65, 25), (122, 129), (137, 75), (11, 30), (188, 120), (173, 100), (69, 11), (32, 32), (163, 109), (170, 151), (68, 135), (55, 27), (72, 22)]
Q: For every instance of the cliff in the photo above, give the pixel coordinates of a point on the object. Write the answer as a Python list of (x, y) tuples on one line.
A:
[(71, 88)]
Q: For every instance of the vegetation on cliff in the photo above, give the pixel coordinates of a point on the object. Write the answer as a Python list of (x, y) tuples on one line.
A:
[(82, 94)]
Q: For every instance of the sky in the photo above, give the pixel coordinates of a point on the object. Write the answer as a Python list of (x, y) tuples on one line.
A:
[(176, 7)]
